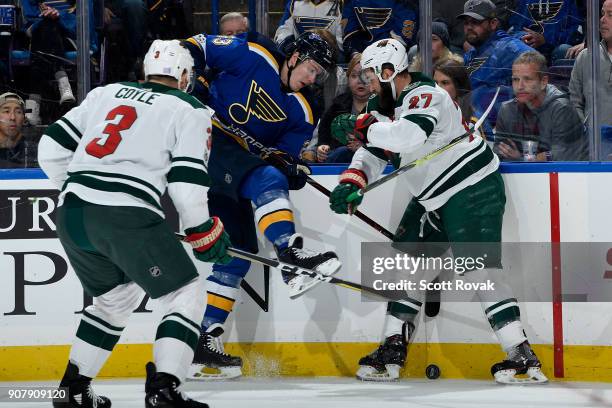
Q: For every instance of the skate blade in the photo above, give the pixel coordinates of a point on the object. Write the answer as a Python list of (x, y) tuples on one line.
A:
[(533, 376), (303, 283), (200, 372), (369, 373)]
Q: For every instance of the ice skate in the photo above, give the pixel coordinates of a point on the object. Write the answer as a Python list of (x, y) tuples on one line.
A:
[(80, 393), (521, 361), (326, 263), (384, 363), (162, 391), (210, 362)]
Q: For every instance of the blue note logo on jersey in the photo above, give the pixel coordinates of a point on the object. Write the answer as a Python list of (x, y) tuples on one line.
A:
[(259, 104), (307, 23), (371, 18), (475, 64)]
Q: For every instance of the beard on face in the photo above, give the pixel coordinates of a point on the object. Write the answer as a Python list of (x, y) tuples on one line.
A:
[(386, 102), (476, 40)]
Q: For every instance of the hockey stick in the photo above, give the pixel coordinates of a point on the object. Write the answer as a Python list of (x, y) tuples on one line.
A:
[(295, 270), (357, 213), (425, 158)]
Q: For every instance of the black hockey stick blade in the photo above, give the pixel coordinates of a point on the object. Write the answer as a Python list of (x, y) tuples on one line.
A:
[(432, 301)]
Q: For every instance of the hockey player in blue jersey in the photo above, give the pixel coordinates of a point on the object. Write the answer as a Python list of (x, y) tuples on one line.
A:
[(263, 119), (367, 21)]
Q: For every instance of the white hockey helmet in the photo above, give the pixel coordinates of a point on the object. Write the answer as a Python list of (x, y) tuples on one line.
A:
[(387, 51), (169, 58)]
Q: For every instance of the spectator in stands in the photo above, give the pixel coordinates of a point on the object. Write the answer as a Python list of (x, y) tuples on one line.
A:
[(489, 63), (303, 15), (233, 24), (451, 75), (549, 27), (352, 101), (448, 10), (12, 145), (362, 19), (580, 83), (540, 123), (440, 43), (51, 26), (130, 18)]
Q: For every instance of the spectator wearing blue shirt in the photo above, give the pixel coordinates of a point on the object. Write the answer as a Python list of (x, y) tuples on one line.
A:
[(489, 63)]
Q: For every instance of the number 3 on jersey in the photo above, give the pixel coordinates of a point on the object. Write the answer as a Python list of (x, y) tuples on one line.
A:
[(113, 130)]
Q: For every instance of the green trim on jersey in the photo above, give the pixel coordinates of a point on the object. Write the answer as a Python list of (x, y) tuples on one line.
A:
[(56, 132), (466, 170), (188, 159), (113, 187), (76, 131), (184, 174), (418, 80), (422, 121), (117, 175), (167, 90)]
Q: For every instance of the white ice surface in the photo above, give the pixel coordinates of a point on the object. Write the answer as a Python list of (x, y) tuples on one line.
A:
[(348, 393)]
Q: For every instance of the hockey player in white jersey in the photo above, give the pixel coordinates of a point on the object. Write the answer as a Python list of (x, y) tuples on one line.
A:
[(457, 197), (113, 157)]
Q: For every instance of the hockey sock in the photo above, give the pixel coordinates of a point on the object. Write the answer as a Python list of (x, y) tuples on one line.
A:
[(398, 313), (505, 320), (223, 287), (95, 340), (101, 326), (177, 334), (274, 217)]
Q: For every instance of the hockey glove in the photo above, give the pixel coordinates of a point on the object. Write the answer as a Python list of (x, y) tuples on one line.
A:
[(342, 126), (295, 170), (209, 241), (351, 181), (362, 124)]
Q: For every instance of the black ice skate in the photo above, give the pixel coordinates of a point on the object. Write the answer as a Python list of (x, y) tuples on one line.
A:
[(210, 362), (521, 361), (326, 263), (80, 393), (385, 363), (162, 391)]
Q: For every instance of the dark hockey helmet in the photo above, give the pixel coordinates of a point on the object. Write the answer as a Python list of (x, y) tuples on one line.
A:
[(311, 45)]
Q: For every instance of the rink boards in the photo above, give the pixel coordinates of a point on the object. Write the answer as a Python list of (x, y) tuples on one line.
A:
[(326, 331)]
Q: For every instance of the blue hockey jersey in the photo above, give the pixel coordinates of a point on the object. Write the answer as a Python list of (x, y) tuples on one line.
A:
[(490, 66), (368, 21), (247, 97), (557, 20)]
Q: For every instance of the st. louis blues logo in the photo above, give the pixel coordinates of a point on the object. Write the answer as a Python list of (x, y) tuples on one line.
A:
[(371, 18), (259, 104), (543, 13), (475, 64), (306, 23)]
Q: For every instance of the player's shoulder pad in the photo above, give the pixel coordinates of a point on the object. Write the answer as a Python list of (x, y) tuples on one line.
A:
[(199, 40), (185, 97)]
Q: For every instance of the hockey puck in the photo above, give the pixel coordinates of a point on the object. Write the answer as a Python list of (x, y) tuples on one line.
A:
[(432, 371)]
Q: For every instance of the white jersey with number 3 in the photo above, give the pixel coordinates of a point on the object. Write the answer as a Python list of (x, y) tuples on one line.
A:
[(126, 142), (425, 119)]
